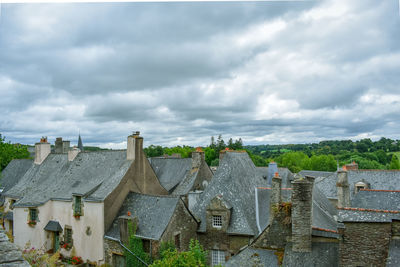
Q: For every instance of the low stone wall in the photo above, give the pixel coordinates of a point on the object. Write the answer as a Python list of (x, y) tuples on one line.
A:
[(10, 255)]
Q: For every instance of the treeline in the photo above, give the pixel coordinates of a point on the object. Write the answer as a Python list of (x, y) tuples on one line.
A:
[(10, 151)]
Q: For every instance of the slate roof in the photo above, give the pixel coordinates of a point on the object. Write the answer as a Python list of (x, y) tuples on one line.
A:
[(93, 175), (53, 226), (284, 173), (378, 179), (315, 174), (235, 180), (253, 257), (10, 255), (381, 200), (366, 215), (323, 254), (171, 171), (153, 213), (323, 211), (393, 259), (12, 174)]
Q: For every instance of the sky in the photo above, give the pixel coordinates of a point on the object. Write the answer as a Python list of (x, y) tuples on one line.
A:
[(268, 72)]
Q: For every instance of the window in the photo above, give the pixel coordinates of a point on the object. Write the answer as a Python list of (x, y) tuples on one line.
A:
[(33, 215), (178, 241), (217, 221), (217, 257), (77, 206), (68, 235)]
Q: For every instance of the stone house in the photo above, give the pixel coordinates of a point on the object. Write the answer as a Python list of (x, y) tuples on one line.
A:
[(71, 199), (159, 219)]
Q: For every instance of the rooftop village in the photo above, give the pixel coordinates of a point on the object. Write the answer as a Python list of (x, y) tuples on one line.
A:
[(68, 199)]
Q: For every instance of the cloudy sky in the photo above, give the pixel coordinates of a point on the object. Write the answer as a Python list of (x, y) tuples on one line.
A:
[(268, 72)]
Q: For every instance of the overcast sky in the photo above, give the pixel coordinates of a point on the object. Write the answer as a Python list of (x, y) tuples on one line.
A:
[(268, 72)]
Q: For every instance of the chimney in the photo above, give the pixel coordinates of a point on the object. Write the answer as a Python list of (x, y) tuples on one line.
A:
[(302, 214), (222, 153), (73, 153), (197, 157), (42, 150), (343, 189), (134, 145), (351, 167), (123, 225), (58, 145), (275, 198), (65, 146), (272, 169)]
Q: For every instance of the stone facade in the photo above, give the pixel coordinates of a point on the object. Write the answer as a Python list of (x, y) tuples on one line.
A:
[(364, 244), (343, 190)]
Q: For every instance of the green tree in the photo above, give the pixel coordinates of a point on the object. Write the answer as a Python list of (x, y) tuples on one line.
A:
[(10, 151), (194, 257), (323, 163), (153, 151), (394, 163), (294, 161), (210, 155), (135, 245)]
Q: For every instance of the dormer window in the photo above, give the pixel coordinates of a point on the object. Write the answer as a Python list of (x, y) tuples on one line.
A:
[(217, 221), (360, 185), (77, 206)]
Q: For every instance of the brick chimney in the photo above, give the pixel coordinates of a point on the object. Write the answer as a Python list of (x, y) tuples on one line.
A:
[(42, 150), (197, 158), (343, 189), (351, 167), (302, 214), (134, 145), (275, 198)]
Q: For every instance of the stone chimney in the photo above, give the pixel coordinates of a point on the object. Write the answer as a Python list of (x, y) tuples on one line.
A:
[(73, 153), (65, 146), (197, 157), (42, 150), (351, 167), (272, 169), (58, 145), (123, 225), (222, 153), (275, 198), (302, 214), (343, 189), (134, 145)]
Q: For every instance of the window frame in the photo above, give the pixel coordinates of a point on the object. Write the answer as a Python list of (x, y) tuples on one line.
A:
[(77, 206), (217, 221), (67, 237), (33, 211), (217, 257)]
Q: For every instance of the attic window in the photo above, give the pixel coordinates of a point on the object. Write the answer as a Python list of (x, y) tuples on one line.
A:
[(360, 185), (217, 257), (217, 221), (77, 206)]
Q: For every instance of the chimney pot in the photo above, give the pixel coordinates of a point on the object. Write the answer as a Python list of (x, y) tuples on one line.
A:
[(42, 150)]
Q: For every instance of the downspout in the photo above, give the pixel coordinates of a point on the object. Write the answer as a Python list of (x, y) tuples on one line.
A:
[(257, 216), (119, 241)]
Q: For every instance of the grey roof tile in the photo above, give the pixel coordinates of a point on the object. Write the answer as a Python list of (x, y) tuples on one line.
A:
[(253, 257), (153, 213), (323, 254), (315, 174), (378, 179), (356, 215), (91, 174), (381, 200), (235, 180), (171, 171), (393, 259), (53, 226)]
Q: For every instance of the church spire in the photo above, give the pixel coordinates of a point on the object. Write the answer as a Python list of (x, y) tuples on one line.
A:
[(80, 145)]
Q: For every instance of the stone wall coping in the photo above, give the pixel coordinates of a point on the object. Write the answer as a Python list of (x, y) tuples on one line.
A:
[(269, 188), (379, 190), (369, 210), (325, 230)]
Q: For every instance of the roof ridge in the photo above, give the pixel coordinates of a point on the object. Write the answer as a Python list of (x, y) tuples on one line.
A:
[(379, 190), (371, 210), (269, 188)]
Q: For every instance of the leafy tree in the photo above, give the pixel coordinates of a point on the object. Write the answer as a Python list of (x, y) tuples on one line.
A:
[(195, 257), (153, 151), (215, 162), (295, 161), (10, 151), (323, 163), (394, 163), (135, 245)]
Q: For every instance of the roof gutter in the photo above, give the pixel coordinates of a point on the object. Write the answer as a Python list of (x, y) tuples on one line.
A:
[(119, 241)]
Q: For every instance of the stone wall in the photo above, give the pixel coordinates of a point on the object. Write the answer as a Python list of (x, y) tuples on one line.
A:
[(111, 247), (364, 244)]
